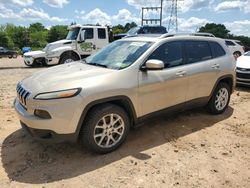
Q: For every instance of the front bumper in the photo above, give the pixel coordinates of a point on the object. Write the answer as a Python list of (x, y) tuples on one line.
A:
[(48, 135), (243, 77), (65, 116)]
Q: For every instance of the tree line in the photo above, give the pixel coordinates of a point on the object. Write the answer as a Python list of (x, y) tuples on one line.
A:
[(37, 36)]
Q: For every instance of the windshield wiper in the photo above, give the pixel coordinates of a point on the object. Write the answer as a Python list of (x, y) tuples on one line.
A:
[(97, 64)]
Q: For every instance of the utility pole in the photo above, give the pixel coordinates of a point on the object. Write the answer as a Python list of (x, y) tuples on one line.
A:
[(151, 20)]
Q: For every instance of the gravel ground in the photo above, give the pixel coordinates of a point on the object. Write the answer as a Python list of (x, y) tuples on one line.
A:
[(191, 149)]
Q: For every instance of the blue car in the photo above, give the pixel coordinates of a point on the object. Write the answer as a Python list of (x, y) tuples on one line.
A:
[(26, 49)]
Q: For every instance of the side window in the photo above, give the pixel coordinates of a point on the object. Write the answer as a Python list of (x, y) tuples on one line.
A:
[(197, 51), (229, 43), (217, 50), (89, 33), (170, 53), (101, 33)]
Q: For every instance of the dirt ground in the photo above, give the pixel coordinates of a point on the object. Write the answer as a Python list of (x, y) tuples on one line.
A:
[(191, 149)]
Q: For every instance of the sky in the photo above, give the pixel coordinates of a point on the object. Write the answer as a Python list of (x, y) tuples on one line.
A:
[(192, 14)]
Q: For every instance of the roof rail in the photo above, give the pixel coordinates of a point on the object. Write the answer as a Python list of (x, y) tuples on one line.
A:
[(186, 34)]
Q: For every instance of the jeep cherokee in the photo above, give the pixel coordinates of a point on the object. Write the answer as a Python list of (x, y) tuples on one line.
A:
[(98, 99)]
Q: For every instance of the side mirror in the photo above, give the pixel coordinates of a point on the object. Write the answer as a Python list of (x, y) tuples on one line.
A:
[(153, 64), (82, 36)]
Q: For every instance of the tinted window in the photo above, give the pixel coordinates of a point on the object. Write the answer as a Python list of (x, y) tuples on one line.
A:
[(89, 33), (147, 30), (217, 50), (101, 33), (240, 43), (197, 51), (229, 43), (170, 53)]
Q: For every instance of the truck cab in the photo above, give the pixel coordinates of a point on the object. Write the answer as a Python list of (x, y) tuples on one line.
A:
[(80, 42)]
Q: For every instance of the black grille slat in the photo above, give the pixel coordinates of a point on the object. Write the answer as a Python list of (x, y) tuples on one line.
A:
[(23, 94), (243, 75)]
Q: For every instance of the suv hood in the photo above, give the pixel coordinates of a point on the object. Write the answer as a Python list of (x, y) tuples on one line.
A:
[(67, 76), (243, 62)]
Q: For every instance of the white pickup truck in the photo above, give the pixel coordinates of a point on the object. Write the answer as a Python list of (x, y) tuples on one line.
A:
[(81, 41)]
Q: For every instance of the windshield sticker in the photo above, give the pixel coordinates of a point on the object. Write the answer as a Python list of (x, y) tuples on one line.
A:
[(137, 44)]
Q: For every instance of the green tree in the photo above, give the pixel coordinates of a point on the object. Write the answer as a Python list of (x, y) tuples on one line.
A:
[(38, 39), (57, 32), (36, 27), (219, 30), (5, 40), (128, 26)]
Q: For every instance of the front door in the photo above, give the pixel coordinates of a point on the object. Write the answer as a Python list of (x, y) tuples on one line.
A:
[(159, 89), (88, 46)]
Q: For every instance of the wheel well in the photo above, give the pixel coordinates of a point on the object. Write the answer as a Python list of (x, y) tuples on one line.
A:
[(69, 53), (237, 52), (229, 81)]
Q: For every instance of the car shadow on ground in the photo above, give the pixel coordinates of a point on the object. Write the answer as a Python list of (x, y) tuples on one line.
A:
[(242, 88), (32, 162)]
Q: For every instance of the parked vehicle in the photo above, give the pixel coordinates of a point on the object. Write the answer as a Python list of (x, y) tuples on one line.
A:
[(154, 29), (26, 49), (4, 52), (81, 41), (236, 49), (98, 99), (243, 69)]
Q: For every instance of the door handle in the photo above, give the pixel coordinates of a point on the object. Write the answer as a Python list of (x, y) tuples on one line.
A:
[(215, 66), (181, 73)]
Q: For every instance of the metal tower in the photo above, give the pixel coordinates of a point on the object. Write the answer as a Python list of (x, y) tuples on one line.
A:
[(173, 21)]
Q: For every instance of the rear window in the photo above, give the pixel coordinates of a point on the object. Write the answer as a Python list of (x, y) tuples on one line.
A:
[(197, 51), (229, 43), (102, 33), (152, 30), (217, 50), (240, 43)]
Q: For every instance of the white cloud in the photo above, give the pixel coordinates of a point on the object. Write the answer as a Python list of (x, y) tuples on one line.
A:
[(95, 16), (125, 16), (56, 3), (183, 6), (240, 27), (228, 5), (38, 14), (22, 3), (191, 24), (7, 13)]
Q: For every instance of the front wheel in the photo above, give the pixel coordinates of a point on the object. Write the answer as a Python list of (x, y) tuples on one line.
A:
[(105, 128), (220, 99)]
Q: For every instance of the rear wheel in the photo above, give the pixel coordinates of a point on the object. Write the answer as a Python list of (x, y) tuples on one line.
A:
[(220, 99), (105, 128), (237, 54)]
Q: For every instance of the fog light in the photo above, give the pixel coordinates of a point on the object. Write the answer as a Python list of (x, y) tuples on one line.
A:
[(42, 114)]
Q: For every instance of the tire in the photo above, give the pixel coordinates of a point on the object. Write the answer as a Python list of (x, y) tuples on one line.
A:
[(237, 54), (216, 105), (14, 56), (96, 133), (68, 58)]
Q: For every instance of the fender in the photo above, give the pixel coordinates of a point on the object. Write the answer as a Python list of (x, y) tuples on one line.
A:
[(117, 100), (59, 51)]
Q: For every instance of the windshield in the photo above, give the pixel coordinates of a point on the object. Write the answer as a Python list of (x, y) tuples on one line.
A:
[(133, 31), (118, 55), (73, 33)]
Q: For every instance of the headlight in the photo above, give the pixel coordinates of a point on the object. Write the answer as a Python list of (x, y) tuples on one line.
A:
[(58, 94)]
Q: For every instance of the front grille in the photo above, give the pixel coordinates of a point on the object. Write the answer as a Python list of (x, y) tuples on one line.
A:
[(243, 75), (242, 69), (22, 94)]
